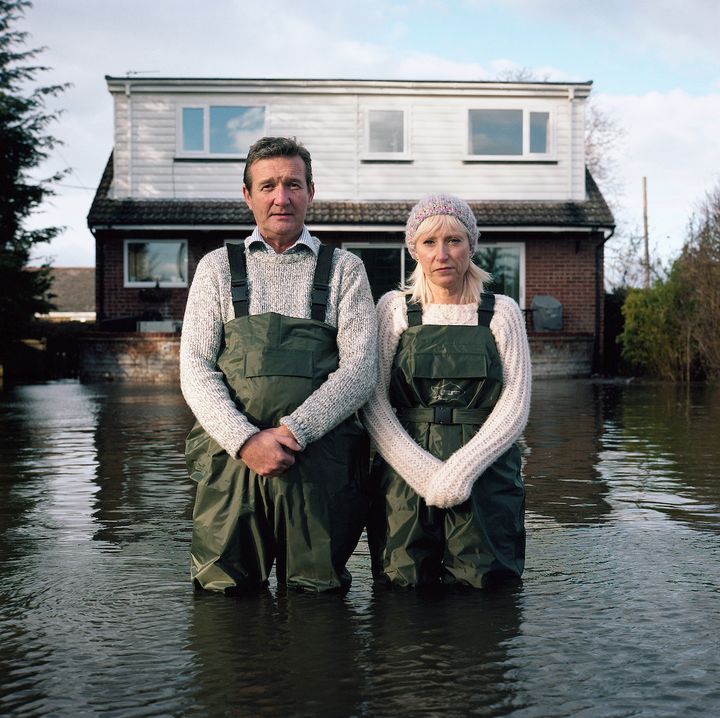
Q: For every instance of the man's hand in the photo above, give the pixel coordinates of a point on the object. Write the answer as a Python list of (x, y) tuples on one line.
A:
[(270, 452)]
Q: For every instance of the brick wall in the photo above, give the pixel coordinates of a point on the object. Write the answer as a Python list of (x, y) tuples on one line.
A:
[(143, 358), (561, 356), (154, 358), (562, 266), (565, 269)]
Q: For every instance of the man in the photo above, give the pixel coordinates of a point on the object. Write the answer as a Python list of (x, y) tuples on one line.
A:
[(278, 351)]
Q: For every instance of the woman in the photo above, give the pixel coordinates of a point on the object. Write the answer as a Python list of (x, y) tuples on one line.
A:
[(452, 399)]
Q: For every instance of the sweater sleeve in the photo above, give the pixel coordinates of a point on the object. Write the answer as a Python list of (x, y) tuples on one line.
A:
[(349, 387), (451, 485), (202, 383), (396, 446)]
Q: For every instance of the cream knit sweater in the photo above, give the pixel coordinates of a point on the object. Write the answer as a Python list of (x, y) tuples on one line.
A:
[(278, 283), (448, 483)]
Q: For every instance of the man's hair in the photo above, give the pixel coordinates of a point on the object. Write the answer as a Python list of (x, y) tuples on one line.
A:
[(267, 148)]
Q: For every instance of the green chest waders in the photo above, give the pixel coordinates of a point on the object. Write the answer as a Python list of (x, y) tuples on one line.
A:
[(307, 520), (445, 381)]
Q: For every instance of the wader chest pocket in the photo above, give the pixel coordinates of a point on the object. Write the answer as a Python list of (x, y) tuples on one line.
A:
[(276, 362), (446, 366)]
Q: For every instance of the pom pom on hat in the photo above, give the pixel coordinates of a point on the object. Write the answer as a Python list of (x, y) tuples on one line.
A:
[(440, 204)]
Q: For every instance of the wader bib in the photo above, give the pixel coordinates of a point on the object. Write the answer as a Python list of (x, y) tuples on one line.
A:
[(308, 519), (444, 383)]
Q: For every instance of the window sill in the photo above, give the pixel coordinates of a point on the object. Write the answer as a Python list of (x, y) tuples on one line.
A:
[(470, 159), (385, 159), (208, 159), (154, 285)]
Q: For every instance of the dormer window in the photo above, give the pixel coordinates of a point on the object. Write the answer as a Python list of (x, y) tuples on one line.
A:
[(219, 131), (386, 134), (512, 134)]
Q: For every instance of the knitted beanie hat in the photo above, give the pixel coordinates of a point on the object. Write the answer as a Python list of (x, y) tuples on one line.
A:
[(440, 204)]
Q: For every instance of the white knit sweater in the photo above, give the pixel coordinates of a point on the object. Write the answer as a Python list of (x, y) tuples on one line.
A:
[(449, 483), (278, 283)]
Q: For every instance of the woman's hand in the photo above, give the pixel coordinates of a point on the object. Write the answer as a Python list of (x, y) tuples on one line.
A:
[(447, 490)]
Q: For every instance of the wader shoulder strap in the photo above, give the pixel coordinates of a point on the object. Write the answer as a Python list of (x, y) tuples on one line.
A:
[(414, 312), (238, 277), (321, 283), (486, 307)]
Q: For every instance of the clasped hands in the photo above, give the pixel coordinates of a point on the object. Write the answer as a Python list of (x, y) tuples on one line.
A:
[(444, 488), (271, 451)]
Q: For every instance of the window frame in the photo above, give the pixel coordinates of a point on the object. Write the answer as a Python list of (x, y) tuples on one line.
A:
[(520, 246), (403, 156), (399, 246), (205, 153), (550, 151), (128, 284)]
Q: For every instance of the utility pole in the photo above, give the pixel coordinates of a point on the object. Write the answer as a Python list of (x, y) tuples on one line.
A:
[(646, 260)]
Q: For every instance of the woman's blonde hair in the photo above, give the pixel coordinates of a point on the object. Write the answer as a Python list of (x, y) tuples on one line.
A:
[(417, 286)]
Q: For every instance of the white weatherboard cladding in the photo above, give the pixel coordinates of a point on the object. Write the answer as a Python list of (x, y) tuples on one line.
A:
[(332, 126), (121, 166)]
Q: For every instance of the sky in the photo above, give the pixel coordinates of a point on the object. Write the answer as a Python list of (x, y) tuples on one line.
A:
[(654, 64)]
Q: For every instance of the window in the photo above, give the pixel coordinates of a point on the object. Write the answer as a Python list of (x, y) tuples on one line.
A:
[(539, 132), (387, 134), (506, 263), (509, 134), (149, 263), (386, 264), (220, 130)]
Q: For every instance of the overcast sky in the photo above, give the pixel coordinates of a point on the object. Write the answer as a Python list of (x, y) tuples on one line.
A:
[(655, 65)]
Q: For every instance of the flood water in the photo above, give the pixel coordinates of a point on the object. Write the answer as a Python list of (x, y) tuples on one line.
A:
[(618, 613)]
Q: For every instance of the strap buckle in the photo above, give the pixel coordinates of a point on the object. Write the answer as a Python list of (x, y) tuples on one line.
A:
[(239, 291), (320, 294), (442, 414)]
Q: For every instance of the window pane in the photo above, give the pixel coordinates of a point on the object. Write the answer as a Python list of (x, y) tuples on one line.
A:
[(234, 129), (164, 262), (538, 131), (383, 267), (504, 265), (386, 131), (192, 129), (496, 132)]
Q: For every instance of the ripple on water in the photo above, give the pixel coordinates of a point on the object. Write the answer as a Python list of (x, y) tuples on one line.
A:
[(616, 615)]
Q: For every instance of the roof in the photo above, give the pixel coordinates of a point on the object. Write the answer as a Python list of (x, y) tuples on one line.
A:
[(73, 288), (592, 213), (145, 83)]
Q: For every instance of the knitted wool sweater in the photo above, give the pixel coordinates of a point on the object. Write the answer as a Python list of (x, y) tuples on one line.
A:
[(449, 483), (278, 283)]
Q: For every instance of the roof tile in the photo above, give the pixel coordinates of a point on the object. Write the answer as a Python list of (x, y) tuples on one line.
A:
[(593, 212)]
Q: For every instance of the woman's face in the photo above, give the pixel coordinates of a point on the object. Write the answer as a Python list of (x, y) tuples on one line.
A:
[(444, 255)]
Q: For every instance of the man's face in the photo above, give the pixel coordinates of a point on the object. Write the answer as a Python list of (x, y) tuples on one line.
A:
[(279, 199)]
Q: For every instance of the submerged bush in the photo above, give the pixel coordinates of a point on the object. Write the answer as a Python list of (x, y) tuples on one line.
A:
[(672, 328)]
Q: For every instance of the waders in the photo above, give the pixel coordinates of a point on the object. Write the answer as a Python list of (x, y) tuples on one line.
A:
[(307, 520), (444, 383)]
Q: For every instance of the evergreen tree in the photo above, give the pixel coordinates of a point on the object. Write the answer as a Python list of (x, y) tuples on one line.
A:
[(25, 143)]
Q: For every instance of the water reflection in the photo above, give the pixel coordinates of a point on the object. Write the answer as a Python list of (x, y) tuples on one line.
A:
[(660, 453), (442, 654), (619, 608), (598, 452), (562, 443), (139, 440), (287, 655)]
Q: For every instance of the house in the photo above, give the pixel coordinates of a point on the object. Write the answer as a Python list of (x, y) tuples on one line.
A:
[(172, 188), (73, 294), (49, 347)]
